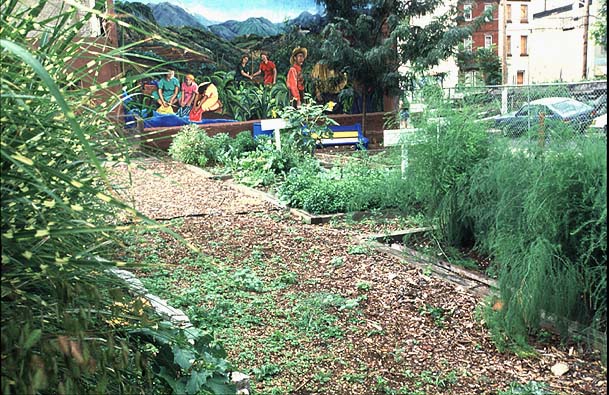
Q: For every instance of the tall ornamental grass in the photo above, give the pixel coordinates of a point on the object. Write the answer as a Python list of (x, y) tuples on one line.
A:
[(542, 213), (441, 158), (536, 205), (68, 325)]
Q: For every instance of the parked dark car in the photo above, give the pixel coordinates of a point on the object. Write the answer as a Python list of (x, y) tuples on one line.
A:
[(565, 110)]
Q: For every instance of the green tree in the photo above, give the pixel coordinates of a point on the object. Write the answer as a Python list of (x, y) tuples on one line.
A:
[(600, 27), (484, 60), (370, 39)]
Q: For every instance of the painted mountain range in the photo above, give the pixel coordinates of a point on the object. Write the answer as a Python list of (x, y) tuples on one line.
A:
[(167, 14)]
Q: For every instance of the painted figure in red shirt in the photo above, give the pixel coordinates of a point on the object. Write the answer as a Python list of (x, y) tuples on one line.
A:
[(189, 91), (295, 79), (267, 67)]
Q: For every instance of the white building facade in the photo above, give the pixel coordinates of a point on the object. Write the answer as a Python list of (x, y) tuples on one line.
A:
[(545, 41)]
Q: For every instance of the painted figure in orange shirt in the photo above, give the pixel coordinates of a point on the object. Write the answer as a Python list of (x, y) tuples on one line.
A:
[(295, 79)]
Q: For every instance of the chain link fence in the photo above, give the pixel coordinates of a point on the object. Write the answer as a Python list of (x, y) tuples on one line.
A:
[(524, 110)]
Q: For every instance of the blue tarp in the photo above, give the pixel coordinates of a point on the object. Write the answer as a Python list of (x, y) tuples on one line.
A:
[(167, 120)]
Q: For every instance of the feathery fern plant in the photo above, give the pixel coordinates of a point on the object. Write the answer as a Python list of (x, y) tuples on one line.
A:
[(543, 215)]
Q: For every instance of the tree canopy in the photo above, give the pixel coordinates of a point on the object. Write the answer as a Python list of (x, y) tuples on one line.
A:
[(371, 39), (600, 27)]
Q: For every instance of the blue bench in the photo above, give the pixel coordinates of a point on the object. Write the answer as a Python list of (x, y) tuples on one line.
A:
[(343, 135)]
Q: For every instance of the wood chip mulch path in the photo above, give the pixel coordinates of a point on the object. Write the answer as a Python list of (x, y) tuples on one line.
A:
[(212, 210)]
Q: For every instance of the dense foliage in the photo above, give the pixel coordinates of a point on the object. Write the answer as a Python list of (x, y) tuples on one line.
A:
[(360, 185), (371, 39), (69, 324), (440, 161), (484, 60), (543, 215), (538, 207)]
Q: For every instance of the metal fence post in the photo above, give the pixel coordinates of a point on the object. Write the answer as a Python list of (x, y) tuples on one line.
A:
[(542, 138)]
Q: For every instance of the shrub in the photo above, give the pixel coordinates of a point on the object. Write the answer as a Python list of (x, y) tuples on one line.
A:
[(266, 165), (358, 185), (188, 146), (440, 165), (243, 142), (216, 148)]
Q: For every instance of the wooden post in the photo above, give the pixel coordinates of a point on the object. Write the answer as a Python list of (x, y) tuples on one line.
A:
[(542, 134)]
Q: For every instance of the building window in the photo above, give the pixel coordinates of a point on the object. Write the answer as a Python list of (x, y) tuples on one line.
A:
[(520, 77), (523, 46), (509, 45), (508, 13), (488, 8), (524, 13), (467, 12), (468, 44), (488, 41)]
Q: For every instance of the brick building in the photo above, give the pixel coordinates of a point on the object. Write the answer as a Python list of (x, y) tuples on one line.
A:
[(487, 36)]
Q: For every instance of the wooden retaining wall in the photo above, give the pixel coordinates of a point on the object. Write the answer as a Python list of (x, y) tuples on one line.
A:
[(162, 137)]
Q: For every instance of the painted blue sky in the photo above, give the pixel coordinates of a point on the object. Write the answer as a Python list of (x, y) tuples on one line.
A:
[(223, 10)]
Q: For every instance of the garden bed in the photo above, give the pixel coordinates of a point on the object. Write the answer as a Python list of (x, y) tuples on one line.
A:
[(304, 216), (393, 243), (307, 309), (450, 176), (417, 248)]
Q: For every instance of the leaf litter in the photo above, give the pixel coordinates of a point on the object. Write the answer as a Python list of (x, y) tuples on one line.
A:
[(409, 333)]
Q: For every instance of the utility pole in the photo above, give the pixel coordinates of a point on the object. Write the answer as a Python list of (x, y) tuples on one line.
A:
[(504, 70), (505, 46), (586, 23)]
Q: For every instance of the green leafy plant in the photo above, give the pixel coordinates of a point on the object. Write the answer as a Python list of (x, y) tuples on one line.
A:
[(187, 360), (542, 214), (358, 185), (266, 371), (265, 165), (530, 388), (248, 280), (316, 314), (306, 124), (437, 314), (188, 146), (440, 165)]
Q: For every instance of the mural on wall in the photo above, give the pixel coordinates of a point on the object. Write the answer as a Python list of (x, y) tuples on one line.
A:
[(224, 30), (233, 15), (219, 33)]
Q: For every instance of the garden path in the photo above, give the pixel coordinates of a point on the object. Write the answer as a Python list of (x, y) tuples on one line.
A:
[(390, 329)]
